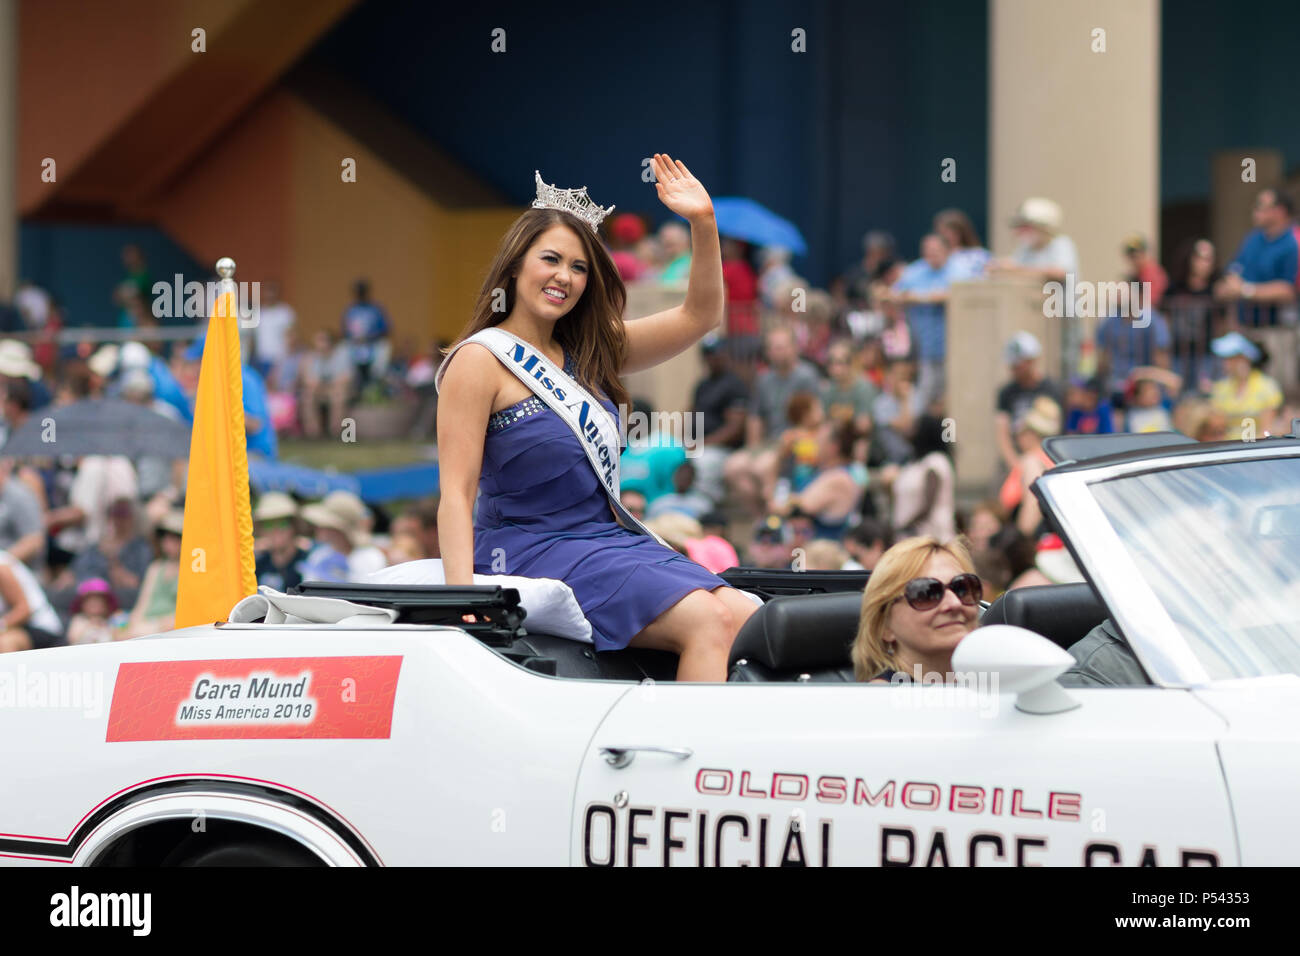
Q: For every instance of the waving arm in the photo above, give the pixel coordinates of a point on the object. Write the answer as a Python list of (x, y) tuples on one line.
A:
[(660, 336)]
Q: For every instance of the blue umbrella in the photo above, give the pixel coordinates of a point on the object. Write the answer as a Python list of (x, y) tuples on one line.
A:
[(745, 219)]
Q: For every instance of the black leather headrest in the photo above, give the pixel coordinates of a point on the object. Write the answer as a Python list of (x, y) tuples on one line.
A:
[(801, 632), (1063, 613)]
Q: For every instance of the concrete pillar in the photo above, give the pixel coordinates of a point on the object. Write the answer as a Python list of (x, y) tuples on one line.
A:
[(8, 139), (1074, 125)]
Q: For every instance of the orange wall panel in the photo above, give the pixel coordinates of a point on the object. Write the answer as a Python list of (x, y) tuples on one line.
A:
[(84, 66), (236, 201)]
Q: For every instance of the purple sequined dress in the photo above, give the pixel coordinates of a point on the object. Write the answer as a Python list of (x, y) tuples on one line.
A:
[(541, 504)]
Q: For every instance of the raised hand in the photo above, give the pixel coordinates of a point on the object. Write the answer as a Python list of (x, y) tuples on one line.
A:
[(679, 190)]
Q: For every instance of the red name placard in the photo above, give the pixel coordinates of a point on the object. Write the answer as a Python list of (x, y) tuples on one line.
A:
[(255, 698)]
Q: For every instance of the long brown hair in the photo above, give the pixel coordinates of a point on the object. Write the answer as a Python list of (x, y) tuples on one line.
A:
[(967, 237), (592, 331)]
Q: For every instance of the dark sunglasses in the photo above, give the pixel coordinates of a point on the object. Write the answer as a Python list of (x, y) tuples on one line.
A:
[(925, 594)]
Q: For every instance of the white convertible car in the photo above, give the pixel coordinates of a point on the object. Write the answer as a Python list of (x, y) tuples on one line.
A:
[(422, 741)]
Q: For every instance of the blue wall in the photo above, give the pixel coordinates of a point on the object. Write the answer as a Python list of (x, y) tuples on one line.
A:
[(846, 137), (1229, 80), (81, 265)]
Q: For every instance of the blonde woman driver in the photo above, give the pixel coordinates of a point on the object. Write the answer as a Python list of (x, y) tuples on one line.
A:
[(922, 598)]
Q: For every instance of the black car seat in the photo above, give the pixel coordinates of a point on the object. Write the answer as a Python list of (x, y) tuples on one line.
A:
[(564, 657), (798, 638), (1062, 613)]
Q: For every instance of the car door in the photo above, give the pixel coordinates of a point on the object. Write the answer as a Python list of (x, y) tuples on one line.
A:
[(873, 774), (1261, 760)]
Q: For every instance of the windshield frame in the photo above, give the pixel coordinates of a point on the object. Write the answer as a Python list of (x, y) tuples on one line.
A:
[(1131, 601)]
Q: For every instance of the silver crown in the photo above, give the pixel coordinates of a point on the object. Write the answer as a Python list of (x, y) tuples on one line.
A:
[(575, 201)]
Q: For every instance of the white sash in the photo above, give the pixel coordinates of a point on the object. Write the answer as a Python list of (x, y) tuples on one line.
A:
[(595, 428)]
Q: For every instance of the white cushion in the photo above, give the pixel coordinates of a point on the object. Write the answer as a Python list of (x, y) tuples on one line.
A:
[(551, 606)]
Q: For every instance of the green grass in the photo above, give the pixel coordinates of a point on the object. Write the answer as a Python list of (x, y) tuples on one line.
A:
[(353, 456)]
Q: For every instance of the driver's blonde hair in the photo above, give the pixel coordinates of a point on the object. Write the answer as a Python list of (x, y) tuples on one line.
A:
[(895, 568)]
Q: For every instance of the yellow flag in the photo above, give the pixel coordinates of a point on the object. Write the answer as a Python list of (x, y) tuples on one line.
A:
[(217, 539)]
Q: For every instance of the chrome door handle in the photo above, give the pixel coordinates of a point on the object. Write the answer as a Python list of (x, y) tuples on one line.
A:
[(620, 757)]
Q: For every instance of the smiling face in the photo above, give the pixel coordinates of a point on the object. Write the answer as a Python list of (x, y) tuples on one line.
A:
[(927, 635), (553, 273)]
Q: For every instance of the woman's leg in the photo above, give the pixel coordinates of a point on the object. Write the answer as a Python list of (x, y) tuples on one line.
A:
[(741, 607), (14, 639), (700, 629)]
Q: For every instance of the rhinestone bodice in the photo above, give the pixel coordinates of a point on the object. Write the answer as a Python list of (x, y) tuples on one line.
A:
[(526, 409)]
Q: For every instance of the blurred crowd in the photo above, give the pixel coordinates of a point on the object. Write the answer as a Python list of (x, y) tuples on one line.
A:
[(826, 428), (90, 543)]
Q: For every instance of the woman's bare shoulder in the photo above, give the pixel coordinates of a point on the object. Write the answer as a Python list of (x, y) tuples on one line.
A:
[(473, 366)]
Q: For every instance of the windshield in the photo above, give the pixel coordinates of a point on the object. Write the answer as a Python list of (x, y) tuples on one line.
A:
[(1220, 546)]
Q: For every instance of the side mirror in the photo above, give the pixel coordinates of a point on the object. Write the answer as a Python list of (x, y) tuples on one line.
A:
[(1026, 664)]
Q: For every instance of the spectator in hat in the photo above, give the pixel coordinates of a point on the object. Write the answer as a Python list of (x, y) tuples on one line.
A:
[(366, 556), (1262, 277), (1042, 250), (153, 471), (1143, 268), (17, 365), (167, 391), (155, 609), (26, 618), (1024, 355), (342, 525), (1244, 396), (625, 231), (100, 368), (328, 558), (772, 544), (92, 610), (278, 555)]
